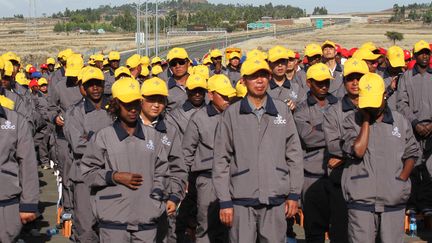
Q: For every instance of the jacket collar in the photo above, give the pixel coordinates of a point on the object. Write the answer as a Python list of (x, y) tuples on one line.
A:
[(347, 104), (270, 107), (388, 116), (187, 106), (122, 134), (171, 83), (338, 67), (416, 70), (211, 110), (286, 84), (160, 125), (312, 101), (2, 112), (89, 106)]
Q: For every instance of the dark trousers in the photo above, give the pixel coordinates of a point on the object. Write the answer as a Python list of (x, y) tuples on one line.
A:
[(421, 189)]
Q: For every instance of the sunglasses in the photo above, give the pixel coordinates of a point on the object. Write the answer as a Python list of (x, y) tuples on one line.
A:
[(180, 62)]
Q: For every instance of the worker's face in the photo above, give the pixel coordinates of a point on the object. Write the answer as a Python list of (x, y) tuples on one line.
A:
[(35, 88), (319, 89), (94, 89), (43, 88), (99, 64), (196, 96), (216, 60), (51, 67), (114, 64), (314, 59), (257, 83), (129, 111), (422, 58), (372, 65), (235, 62), (179, 67), (279, 67), (152, 106), (329, 52), (292, 64), (351, 83), (221, 102), (5, 83)]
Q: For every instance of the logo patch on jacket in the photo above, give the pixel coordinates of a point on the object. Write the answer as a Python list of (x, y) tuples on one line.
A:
[(293, 95), (279, 120), (165, 140), (8, 126), (150, 145), (396, 132)]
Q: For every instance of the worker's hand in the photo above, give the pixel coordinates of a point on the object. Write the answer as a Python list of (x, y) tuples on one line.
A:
[(131, 180), (429, 128), (171, 207), (422, 130), (27, 217), (291, 208), (226, 216), (334, 162), (291, 105), (59, 121)]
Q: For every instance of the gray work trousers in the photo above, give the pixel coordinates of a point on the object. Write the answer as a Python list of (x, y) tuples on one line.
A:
[(364, 226), (265, 223), (64, 165), (84, 220), (114, 235), (10, 223)]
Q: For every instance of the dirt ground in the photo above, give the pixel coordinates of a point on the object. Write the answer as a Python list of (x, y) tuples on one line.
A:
[(348, 36)]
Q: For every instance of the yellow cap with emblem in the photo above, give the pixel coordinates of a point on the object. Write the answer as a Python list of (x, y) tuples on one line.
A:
[(276, 53), (177, 52), (313, 50), (354, 65), (196, 81), (319, 72), (21, 79), (92, 73), (221, 84), (156, 70), (396, 56), (114, 56), (7, 103), (133, 61), (215, 53), (421, 45), (371, 91), (251, 66), (74, 64), (126, 90), (241, 90), (42, 81), (154, 86), (122, 70)]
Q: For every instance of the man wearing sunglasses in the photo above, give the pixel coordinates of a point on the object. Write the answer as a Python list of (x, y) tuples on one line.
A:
[(178, 60)]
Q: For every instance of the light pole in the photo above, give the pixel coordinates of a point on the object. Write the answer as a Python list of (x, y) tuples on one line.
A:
[(138, 23), (146, 30), (156, 31)]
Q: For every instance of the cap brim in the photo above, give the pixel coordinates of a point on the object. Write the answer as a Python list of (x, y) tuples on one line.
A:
[(192, 87), (278, 57), (370, 101), (397, 62), (422, 48), (256, 70), (320, 78), (129, 98), (229, 92)]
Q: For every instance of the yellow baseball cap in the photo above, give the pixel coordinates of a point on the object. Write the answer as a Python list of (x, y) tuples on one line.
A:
[(114, 56), (65, 54), (371, 91), (396, 56), (156, 70), (122, 70), (354, 65), (144, 71), (196, 81), (1, 63), (291, 53), (105, 62), (420, 46), (251, 66), (177, 52), (221, 84), (156, 60), (369, 45), (42, 81), (276, 53), (365, 54), (215, 53), (8, 69), (81, 73), (74, 64), (328, 43), (202, 70), (50, 60), (313, 50), (21, 79), (7, 103), (126, 90), (241, 90), (256, 54), (11, 56), (99, 57), (92, 73), (145, 60), (319, 72), (234, 54), (154, 86), (27, 67), (133, 61), (207, 60)]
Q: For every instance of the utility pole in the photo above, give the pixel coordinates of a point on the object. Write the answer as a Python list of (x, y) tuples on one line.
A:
[(156, 31), (138, 23), (146, 29)]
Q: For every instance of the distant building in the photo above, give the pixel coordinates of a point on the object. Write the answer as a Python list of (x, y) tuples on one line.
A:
[(195, 1)]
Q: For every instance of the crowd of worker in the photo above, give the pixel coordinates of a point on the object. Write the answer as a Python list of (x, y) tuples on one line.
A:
[(188, 150)]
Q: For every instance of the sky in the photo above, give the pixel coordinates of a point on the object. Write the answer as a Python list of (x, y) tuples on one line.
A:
[(10, 7)]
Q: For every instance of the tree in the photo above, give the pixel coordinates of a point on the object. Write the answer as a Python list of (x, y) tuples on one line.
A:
[(394, 36)]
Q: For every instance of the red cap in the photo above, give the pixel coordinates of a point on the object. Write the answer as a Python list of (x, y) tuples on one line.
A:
[(297, 55), (382, 51), (44, 66), (407, 55), (352, 51), (33, 83), (345, 53), (32, 70), (305, 60), (411, 64), (338, 49)]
